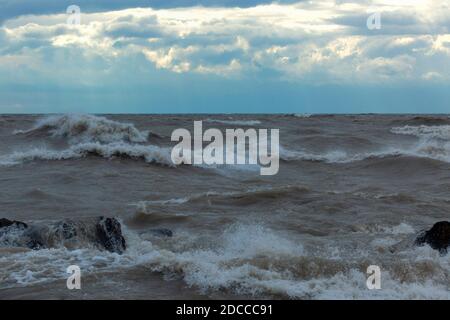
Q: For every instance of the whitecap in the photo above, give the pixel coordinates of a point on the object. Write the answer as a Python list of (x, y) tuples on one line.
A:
[(235, 122), (87, 128), (150, 154)]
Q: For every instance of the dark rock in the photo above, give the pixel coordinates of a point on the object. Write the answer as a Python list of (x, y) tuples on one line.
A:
[(438, 237), (103, 233), (152, 135), (66, 230), (11, 232), (34, 244), (7, 223), (109, 235)]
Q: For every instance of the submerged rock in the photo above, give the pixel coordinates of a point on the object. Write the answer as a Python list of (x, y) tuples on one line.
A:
[(7, 223), (438, 237), (102, 233), (10, 231), (109, 234)]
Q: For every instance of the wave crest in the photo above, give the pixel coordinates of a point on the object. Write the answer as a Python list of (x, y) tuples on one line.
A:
[(150, 154), (337, 156), (87, 128)]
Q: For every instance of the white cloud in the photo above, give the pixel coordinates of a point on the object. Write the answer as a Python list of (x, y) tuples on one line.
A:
[(175, 58), (324, 41), (432, 75), (225, 70), (441, 44)]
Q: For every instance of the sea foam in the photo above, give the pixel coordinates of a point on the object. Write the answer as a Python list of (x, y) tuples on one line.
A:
[(150, 154), (435, 132), (246, 259)]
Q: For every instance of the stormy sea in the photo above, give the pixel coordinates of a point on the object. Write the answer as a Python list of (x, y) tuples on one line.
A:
[(351, 191)]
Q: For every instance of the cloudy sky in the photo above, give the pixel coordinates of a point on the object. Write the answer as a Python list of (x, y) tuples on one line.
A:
[(168, 56)]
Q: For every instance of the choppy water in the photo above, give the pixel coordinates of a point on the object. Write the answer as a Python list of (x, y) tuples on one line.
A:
[(352, 191)]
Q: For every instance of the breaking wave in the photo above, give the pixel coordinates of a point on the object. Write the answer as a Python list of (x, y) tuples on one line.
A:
[(87, 128), (150, 154), (430, 149), (434, 141), (258, 261), (252, 260)]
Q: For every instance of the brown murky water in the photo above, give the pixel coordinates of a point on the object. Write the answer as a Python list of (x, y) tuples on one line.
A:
[(352, 191)]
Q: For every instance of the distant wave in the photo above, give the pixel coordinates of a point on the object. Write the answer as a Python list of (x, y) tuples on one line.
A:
[(235, 122), (338, 156), (430, 132), (430, 148), (150, 154), (302, 115), (424, 120), (87, 128), (439, 153), (255, 195), (93, 135)]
